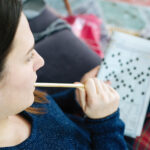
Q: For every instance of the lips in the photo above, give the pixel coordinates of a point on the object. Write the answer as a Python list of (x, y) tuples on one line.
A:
[(35, 78), (35, 82)]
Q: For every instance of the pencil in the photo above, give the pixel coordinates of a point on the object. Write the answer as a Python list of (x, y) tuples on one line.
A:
[(62, 85)]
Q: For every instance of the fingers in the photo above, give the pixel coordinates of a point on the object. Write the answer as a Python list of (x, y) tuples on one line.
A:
[(91, 91), (96, 87), (108, 82), (99, 87), (102, 89), (95, 71), (98, 99), (81, 96)]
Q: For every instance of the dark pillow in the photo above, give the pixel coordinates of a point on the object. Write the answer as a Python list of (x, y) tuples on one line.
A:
[(66, 57)]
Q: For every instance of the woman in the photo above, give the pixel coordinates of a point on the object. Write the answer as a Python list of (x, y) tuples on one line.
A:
[(56, 128)]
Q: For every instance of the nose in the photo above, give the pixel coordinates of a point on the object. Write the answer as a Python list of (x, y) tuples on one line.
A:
[(38, 62)]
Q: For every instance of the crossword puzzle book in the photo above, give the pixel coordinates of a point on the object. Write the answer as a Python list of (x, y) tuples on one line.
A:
[(127, 66)]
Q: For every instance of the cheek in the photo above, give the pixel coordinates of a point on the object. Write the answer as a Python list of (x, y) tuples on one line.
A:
[(22, 79), (17, 92)]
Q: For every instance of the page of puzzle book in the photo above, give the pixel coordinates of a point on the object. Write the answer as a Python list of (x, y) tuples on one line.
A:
[(127, 66)]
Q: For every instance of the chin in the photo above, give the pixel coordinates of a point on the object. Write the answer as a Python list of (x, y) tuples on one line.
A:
[(31, 100)]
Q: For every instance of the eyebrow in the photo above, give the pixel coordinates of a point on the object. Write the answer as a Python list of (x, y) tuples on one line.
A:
[(30, 49)]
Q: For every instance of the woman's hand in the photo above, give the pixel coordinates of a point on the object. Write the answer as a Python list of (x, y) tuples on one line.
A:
[(98, 99)]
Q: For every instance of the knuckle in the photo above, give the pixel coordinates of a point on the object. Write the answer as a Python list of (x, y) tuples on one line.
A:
[(89, 80), (117, 96)]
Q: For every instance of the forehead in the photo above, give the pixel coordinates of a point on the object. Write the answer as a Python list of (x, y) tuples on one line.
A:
[(23, 39), (22, 42)]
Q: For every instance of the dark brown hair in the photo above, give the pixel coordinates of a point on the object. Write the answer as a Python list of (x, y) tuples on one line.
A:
[(10, 12)]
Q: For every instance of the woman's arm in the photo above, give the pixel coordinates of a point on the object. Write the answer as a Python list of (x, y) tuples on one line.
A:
[(67, 102), (100, 102), (107, 133)]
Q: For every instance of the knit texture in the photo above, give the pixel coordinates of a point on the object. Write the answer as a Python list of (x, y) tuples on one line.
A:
[(60, 130)]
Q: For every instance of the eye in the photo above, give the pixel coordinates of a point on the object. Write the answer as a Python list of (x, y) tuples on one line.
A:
[(30, 57)]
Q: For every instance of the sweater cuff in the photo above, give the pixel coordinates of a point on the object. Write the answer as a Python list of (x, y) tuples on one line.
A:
[(110, 117), (106, 125)]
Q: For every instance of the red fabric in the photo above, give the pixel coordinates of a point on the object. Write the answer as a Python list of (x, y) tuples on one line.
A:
[(143, 142), (87, 28)]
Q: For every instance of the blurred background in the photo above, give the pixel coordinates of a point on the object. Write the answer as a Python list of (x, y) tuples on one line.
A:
[(128, 16)]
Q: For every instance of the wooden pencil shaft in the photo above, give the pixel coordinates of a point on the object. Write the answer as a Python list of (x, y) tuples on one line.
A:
[(63, 85), (68, 7)]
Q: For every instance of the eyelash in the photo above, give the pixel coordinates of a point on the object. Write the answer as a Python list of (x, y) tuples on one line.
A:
[(31, 57)]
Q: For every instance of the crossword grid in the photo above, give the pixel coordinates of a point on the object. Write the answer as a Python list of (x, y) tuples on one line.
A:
[(129, 73)]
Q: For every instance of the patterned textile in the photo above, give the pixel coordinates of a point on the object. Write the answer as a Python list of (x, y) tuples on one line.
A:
[(143, 142)]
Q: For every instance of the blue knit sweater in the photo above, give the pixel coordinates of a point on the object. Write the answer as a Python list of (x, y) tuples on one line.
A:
[(59, 129)]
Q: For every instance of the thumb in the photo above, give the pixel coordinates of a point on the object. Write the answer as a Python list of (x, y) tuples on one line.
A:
[(93, 73)]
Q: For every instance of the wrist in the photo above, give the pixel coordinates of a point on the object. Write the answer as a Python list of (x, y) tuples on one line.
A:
[(111, 116)]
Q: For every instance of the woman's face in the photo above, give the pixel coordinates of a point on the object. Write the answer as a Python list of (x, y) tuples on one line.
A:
[(17, 85)]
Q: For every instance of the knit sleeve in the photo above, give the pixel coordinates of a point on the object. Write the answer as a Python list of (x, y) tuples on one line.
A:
[(107, 133), (66, 101)]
